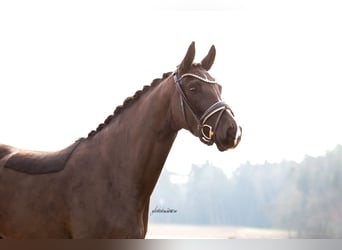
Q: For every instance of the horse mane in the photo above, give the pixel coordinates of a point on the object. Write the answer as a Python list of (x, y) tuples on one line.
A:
[(127, 103)]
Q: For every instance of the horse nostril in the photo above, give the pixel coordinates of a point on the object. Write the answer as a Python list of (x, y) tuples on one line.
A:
[(232, 127)]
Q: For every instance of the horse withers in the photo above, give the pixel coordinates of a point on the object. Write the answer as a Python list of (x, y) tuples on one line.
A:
[(100, 186)]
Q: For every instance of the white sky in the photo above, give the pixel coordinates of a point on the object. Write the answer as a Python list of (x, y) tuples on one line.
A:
[(65, 66)]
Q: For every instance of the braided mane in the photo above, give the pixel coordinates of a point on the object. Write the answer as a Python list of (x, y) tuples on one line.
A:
[(127, 103)]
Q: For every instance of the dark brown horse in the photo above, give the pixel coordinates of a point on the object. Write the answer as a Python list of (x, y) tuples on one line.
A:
[(100, 186)]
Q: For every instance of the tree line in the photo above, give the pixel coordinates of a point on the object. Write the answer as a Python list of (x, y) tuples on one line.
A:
[(305, 197)]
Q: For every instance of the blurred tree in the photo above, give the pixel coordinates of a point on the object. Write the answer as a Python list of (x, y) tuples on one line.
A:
[(303, 197)]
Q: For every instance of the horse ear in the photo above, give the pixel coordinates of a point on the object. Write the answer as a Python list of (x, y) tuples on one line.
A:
[(208, 61), (188, 59)]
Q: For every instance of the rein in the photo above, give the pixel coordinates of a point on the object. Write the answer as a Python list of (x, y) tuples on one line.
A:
[(207, 132)]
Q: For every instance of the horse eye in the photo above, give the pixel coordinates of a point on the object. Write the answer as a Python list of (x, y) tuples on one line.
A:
[(193, 89)]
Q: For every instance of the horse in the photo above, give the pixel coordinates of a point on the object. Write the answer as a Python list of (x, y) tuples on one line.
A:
[(100, 186)]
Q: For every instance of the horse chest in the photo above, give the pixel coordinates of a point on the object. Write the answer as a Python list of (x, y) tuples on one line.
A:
[(108, 216)]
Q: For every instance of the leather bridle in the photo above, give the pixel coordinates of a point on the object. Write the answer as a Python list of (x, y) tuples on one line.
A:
[(206, 132)]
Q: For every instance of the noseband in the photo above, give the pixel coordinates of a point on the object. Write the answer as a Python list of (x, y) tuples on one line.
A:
[(207, 133)]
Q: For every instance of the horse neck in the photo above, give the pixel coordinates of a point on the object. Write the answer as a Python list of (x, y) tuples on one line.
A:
[(138, 141)]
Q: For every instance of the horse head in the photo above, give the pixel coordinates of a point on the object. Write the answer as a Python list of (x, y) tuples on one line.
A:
[(200, 108)]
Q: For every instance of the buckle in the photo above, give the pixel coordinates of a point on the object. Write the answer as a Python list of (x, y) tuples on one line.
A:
[(207, 133)]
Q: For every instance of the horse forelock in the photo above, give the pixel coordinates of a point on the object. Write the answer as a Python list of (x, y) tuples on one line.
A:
[(127, 103)]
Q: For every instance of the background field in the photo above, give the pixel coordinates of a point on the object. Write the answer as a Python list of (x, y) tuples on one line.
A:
[(172, 231)]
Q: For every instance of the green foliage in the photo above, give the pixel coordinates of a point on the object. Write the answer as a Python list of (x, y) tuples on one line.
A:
[(302, 197)]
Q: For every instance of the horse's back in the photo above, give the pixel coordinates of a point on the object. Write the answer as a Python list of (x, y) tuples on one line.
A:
[(35, 162), (5, 152), (33, 194)]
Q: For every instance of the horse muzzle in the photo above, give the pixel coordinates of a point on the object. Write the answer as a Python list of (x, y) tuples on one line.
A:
[(229, 139)]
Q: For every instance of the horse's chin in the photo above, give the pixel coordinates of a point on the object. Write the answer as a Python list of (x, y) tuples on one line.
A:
[(222, 148)]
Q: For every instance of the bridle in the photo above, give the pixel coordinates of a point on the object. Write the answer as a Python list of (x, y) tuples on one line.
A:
[(206, 132)]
